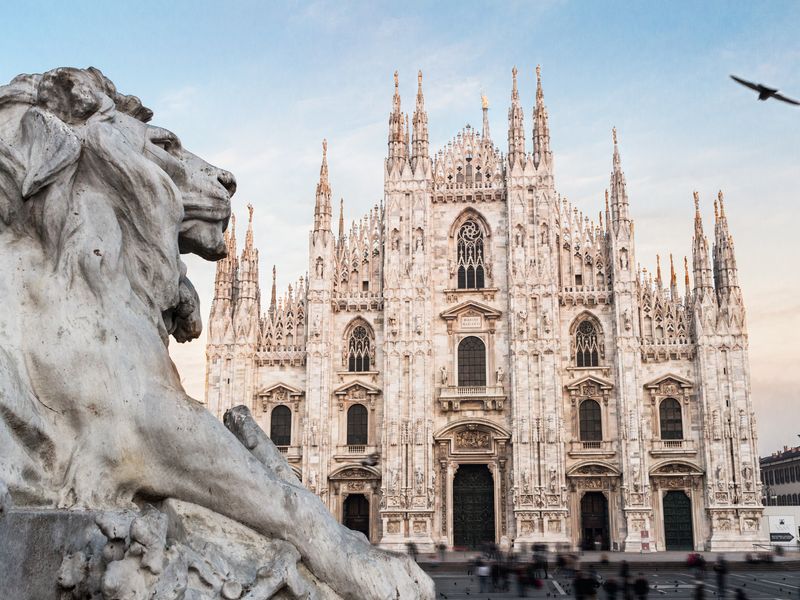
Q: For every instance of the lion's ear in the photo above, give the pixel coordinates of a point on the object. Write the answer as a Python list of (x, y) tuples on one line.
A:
[(51, 146)]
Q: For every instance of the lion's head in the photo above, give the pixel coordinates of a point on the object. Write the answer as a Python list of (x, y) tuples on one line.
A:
[(111, 198)]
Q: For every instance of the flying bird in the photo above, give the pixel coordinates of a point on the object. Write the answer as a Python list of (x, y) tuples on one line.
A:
[(764, 93)]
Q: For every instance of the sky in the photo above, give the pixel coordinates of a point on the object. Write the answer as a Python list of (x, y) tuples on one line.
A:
[(255, 86)]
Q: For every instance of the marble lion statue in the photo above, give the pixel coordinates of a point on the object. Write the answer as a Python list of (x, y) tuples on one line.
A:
[(96, 206)]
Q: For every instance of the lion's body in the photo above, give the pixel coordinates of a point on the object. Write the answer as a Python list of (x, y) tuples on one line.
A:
[(95, 206)]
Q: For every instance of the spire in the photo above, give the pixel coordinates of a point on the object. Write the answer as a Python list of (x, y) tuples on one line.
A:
[(703, 281), (273, 295), (397, 141), (541, 129), (673, 279), (485, 134), (322, 208), (225, 277), (341, 221), (516, 129), (619, 194), (686, 276), (420, 148), (726, 274), (659, 282), (248, 240), (248, 264)]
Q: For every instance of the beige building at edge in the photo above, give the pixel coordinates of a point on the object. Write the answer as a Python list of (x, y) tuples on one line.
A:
[(517, 374)]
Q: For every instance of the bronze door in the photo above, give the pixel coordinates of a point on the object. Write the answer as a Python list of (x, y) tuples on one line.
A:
[(678, 534), (473, 506), (594, 521), (356, 513)]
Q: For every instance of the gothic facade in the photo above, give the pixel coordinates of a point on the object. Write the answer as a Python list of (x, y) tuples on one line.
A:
[(499, 357)]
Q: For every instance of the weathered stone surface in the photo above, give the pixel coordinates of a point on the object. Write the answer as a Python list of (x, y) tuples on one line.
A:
[(95, 208)]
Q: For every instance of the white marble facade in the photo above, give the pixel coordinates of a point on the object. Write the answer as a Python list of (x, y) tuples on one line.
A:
[(606, 404)]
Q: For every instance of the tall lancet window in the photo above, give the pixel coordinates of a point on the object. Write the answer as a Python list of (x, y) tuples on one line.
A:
[(358, 352), (471, 266), (669, 413), (471, 362), (587, 352)]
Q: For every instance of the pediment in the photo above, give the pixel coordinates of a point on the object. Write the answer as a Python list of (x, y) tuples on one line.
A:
[(593, 470), (589, 385), (353, 472), (667, 380), (675, 469), (357, 388), (470, 306), (281, 389)]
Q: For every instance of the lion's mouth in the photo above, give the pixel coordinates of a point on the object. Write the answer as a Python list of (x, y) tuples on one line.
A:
[(204, 222)]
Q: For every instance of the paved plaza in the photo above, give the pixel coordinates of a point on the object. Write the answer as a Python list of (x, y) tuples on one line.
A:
[(783, 584)]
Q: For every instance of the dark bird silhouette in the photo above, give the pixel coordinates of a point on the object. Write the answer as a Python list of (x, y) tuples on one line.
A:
[(764, 93)]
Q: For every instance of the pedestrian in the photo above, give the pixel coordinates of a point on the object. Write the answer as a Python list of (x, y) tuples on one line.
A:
[(740, 595), (611, 588), (483, 571), (412, 550), (721, 569), (625, 576), (495, 574), (584, 586), (522, 580), (699, 590), (441, 548), (641, 587)]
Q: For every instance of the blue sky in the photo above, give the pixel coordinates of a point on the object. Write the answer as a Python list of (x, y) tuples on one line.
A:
[(255, 86)]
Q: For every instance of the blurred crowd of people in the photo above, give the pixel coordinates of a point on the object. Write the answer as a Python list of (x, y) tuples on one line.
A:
[(503, 570)]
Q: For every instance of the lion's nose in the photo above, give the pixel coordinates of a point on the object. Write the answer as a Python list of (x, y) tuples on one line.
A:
[(228, 181)]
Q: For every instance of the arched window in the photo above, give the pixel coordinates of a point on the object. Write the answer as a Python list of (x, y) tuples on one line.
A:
[(590, 421), (469, 247), (357, 425), (669, 413), (587, 346), (280, 426), (471, 362), (358, 350)]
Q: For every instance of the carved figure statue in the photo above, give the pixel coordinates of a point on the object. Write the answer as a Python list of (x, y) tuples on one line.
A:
[(443, 375), (320, 268), (95, 208), (499, 375)]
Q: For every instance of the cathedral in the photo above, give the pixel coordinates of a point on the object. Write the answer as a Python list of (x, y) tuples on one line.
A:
[(475, 360)]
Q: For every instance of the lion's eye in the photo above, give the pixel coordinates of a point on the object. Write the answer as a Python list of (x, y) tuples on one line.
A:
[(164, 144)]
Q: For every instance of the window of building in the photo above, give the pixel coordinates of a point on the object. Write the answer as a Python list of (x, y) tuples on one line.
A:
[(669, 413), (357, 425), (471, 362), (470, 260), (280, 426), (579, 280), (771, 477), (591, 423), (587, 353), (358, 350)]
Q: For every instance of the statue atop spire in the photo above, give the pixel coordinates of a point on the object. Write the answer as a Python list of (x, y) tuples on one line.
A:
[(541, 128), (703, 280), (322, 208), (619, 194), (516, 129), (420, 149), (485, 134), (398, 143)]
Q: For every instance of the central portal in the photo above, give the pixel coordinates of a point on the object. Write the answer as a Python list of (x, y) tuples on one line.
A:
[(594, 521), (473, 506)]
